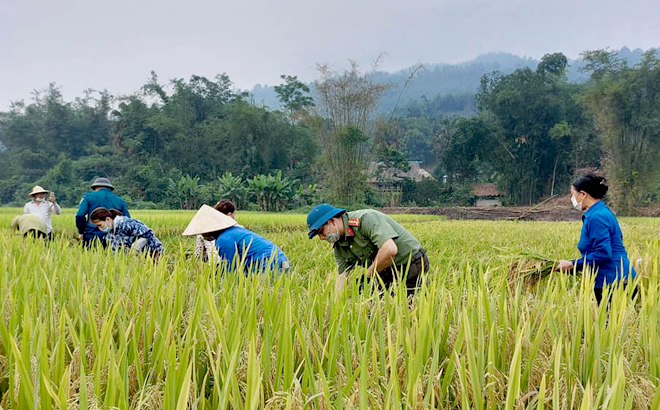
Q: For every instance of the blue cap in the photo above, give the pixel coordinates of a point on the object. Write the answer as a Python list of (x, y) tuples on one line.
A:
[(319, 216)]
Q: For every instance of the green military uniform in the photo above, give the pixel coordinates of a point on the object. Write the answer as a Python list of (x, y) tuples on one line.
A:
[(365, 232), (29, 222)]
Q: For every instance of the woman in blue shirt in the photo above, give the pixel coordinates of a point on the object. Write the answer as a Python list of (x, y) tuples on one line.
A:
[(236, 245), (601, 240)]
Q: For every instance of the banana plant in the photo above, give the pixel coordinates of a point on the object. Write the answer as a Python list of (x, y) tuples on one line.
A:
[(185, 193), (272, 192), (233, 188)]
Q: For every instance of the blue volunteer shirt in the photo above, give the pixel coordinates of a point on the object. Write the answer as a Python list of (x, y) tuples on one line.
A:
[(103, 198), (239, 245), (601, 246)]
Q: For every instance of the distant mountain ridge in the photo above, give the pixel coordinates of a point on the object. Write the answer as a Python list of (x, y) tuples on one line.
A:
[(445, 79)]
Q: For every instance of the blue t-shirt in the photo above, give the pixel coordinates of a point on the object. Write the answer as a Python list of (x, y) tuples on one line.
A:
[(238, 245), (601, 246)]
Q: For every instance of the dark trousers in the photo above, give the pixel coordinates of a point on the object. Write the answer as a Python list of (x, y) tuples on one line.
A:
[(411, 272), (93, 241), (33, 233), (598, 292)]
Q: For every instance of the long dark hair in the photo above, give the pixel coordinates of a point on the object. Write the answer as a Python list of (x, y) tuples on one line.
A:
[(100, 214), (594, 185)]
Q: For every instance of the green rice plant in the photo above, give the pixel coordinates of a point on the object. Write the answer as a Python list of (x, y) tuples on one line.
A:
[(86, 329)]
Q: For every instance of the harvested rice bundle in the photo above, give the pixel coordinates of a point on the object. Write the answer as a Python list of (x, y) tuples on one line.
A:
[(527, 268), (528, 271)]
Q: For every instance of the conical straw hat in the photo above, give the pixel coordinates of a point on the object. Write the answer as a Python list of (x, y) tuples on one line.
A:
[(208, 220), (38, 190)]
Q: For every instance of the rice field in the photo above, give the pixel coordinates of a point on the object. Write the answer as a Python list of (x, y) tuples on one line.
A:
[(91, 329)]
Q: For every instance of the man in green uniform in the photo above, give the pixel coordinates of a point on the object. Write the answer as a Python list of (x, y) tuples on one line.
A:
[(369, 238)]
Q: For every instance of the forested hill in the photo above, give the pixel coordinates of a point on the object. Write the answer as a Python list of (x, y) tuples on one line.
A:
[(445, 79)]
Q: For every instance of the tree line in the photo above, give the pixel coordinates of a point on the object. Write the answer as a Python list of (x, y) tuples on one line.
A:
[(535, 131), (159, 138), (182, 142)]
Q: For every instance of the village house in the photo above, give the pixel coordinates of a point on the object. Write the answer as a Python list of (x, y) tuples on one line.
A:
[(486, 195), (386, 177), (389, 180)]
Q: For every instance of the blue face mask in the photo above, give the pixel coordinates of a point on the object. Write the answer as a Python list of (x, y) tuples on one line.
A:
[(106, 228)]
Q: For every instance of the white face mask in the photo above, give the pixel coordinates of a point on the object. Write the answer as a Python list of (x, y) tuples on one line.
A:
[(107, 227), (39, 199), (577, 205)]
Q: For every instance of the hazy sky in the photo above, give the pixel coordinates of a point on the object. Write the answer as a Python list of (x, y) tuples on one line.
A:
[(114, 44)]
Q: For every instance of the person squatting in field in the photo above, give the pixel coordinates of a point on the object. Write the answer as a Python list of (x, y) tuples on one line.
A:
[(236, 245), (369, 238), (206, 250), (30, 225), (100, 197), (124, 233), (601, 240)]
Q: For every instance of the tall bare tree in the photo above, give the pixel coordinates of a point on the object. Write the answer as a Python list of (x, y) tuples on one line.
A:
[(345, 103)]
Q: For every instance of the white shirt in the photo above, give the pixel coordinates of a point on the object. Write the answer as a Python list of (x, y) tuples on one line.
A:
[(43, 210)]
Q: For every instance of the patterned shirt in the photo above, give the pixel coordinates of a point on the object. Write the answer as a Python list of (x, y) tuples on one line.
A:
[(206, 250), (126, 231), (43, 210)]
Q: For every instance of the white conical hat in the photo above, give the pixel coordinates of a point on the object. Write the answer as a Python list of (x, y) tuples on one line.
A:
[(38, 190), (207, 220)]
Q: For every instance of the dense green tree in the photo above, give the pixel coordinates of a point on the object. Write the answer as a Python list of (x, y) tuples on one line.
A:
[(184, 193), (625, 103), (421, 121), (389, 144), (347, 158), (539, 119), (465, 142), (232, 187), (295, 97)]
